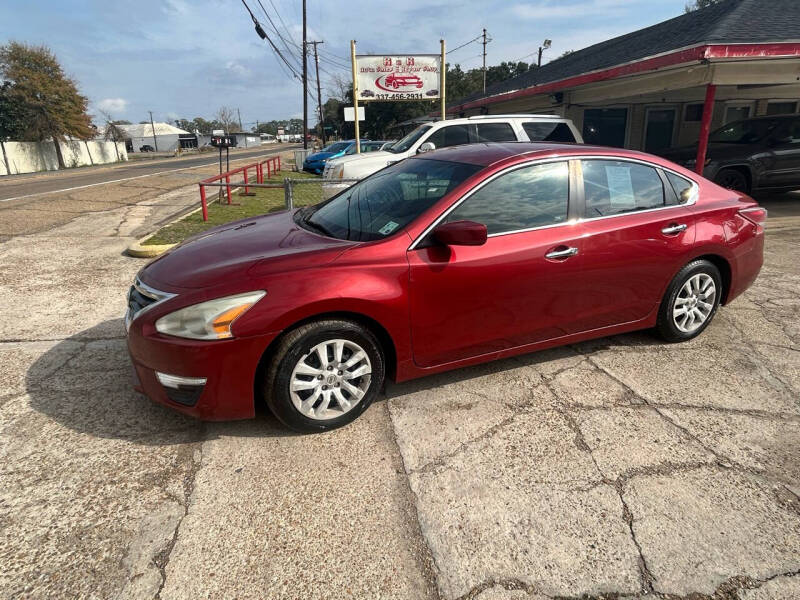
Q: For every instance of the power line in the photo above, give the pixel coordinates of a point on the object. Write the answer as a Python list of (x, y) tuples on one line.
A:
[(464, 44), (263, 35)]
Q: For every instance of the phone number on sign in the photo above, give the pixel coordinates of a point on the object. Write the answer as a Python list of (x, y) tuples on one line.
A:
[(399, 96)]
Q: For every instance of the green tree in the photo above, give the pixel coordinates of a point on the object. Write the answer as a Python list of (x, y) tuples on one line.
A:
[(46, 97), (184, 124)]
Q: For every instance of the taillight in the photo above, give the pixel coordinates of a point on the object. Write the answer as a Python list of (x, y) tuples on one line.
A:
[(755, 214)]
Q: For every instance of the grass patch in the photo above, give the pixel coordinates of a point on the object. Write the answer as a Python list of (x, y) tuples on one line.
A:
[(266, 200)]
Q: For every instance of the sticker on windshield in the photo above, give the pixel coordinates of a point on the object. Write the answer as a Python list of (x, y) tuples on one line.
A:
[(388, 228)]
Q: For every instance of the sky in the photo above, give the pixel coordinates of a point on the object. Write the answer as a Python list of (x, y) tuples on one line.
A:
[(187, 58)]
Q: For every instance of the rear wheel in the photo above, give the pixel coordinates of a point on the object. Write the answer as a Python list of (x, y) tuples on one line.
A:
[(691, 302), (324, 375), (733, 180)]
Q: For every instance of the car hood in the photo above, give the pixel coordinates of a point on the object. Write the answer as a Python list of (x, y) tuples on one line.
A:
[(716, 151), (376, 160), (251, 247)]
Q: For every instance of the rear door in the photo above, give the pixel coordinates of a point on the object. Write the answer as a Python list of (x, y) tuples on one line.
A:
[(637, 233), (785, 156)]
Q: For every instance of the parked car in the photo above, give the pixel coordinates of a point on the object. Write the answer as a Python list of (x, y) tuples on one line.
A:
[(447, 259), (432, 93), (751, 155), (442, 134), (315, 163), (146, 148), (367, 94)]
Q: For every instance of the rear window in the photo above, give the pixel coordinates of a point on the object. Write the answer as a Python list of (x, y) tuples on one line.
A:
[(616, 187), (548, 132), (495, 132)]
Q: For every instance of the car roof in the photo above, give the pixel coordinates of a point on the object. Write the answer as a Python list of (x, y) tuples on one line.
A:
[(486, 154)]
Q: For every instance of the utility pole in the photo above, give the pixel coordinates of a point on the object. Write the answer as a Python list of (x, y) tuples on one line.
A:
[(484, 60), (319, 92), (155, 141), (240, 118), (542, 48), (305, 81)]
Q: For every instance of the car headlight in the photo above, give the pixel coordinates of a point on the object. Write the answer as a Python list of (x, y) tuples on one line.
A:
[(338, 172), (210, 320)]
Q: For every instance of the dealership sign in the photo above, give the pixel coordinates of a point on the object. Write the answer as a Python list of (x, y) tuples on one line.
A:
[(398, 77)]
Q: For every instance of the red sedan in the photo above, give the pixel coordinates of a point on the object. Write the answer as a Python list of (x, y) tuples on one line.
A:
[(447, 259)]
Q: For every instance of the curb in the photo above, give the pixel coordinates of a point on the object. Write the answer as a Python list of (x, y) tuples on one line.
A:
[(138, 250)]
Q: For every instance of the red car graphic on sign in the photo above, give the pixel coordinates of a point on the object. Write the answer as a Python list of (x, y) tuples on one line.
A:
[(396, 81)]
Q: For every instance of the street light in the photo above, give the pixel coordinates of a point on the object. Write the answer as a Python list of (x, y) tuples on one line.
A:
[(545, 46)]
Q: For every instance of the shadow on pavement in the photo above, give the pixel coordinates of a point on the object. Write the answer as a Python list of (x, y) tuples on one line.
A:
[(85, 383)]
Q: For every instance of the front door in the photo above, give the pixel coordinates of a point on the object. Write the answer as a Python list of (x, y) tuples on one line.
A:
[(636, 236), (658, 129), (517, 288)]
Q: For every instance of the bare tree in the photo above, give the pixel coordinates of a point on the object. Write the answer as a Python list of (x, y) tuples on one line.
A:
[(226, 116), (340, 87), (112, 130)]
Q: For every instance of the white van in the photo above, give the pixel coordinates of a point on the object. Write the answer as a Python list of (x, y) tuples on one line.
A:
[(454, 132)]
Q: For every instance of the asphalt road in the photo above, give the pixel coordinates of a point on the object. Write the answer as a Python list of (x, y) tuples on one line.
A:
[(33, 184)]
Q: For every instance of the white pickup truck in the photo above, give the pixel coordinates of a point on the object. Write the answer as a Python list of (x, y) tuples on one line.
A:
[(454, 132)]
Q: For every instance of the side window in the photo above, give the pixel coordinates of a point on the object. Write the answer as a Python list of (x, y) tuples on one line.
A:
[(614, 187), (452, 135), (548, 132), (495, 132), (532, 196), (681, 185)]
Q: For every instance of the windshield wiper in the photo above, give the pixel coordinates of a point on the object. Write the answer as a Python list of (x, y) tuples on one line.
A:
[(319, 228)]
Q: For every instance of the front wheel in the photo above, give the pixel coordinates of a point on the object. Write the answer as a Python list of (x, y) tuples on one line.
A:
[(324, 375), (691, 302)]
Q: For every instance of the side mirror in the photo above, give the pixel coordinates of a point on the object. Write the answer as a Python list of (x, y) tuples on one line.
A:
[(461, 233), (426, 147)]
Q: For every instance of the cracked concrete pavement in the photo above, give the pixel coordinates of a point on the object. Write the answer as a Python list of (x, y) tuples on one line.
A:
[(616, 468)]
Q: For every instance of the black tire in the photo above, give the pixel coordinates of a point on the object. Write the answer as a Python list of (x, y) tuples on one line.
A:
[(297, 343), (732, 180), (666, 325)]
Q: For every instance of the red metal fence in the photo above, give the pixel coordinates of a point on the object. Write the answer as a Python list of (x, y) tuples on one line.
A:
[(273, 166)]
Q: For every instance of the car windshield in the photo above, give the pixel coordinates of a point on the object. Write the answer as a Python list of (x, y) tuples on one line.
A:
[(337, 147), (408, 141), (386, 202), (743, 132)]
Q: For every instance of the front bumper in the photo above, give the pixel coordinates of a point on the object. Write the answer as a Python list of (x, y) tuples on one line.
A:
[(314, 167), (228, 366)]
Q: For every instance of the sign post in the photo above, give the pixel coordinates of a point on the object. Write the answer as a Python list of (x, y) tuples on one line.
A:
[(443, 73), (355, 92)]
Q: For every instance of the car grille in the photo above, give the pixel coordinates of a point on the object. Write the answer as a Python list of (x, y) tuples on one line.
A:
[(137, 301), (141, 297)]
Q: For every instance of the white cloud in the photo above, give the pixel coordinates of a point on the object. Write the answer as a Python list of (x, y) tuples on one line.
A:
[(113, 105), (552, 10)]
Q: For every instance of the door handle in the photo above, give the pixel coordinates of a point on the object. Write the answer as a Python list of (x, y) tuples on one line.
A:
[(674, 228), (562, 252)]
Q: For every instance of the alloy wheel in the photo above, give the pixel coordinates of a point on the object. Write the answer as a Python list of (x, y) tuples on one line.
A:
[(694, 303), (330, 379)]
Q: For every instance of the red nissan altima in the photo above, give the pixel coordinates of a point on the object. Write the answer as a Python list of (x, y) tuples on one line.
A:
[(447, 259)]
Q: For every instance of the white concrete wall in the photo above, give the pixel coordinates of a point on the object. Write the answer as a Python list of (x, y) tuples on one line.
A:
[(29, 157)]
